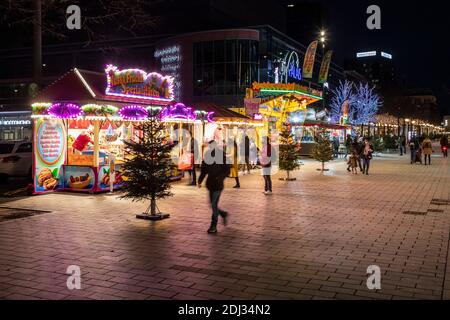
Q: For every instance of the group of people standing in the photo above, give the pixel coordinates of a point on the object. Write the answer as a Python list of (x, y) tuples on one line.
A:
[(422, 146), (359, 155)]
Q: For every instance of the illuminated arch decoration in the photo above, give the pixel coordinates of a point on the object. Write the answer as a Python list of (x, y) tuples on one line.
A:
[(292, 67), (133, 113), (138, 84), (177, 111), (65, 110)]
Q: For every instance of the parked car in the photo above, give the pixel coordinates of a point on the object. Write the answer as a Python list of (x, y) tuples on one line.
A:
[(15, 159)]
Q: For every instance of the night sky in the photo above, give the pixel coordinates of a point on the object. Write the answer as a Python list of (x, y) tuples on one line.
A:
[(414, 32)]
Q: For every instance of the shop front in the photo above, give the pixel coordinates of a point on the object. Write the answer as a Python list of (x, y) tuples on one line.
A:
[(80, 126), (15, 125), (276, 104)]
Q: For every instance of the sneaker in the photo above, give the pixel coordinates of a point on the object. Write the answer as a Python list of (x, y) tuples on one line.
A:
[(237, 186), (225, 218), (268, 193), (212, 230)]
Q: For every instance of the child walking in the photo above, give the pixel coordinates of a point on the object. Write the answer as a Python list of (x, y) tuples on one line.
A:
[(353, 162)]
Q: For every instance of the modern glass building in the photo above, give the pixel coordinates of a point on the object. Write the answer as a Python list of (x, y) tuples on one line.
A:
[(217, 66)]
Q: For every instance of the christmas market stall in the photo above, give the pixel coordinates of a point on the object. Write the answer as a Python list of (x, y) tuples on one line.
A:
[(82, 119)]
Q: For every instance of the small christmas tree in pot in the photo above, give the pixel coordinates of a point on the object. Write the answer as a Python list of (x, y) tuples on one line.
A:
[(147, 168), (289, 152), (322, 150)]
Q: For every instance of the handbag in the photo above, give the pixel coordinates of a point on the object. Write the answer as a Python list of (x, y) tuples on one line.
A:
[(185, 162)]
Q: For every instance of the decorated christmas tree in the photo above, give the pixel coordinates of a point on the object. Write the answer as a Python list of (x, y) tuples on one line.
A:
[(289, 152), (322, 150), (147, 167)]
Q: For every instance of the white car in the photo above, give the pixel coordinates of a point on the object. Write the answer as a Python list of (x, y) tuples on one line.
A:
[(15, 159)]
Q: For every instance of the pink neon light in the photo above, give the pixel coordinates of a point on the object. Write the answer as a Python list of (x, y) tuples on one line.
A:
[(257, 116), (209, 116), (65, 110), (177, 111), (113, 69), (133, 112)]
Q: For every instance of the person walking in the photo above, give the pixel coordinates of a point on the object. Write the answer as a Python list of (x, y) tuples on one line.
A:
[(413, 143), (335, 147), (444, 145), (348, 144), (266, 164), (356, 146), (194, 152), (367, 151), (247, 154), (216, 169), (234, 172), (427, 150), (404, 144), (353, 162), (400, 144)]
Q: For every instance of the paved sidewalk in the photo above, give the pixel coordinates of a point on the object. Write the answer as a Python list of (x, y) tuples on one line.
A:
[(312, 239)]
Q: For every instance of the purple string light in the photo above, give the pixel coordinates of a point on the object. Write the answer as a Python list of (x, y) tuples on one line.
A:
[(178, 111), (133, 112), (65, 110)]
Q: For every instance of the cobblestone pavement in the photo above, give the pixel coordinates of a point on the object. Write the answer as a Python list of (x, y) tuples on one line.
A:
[(312, 239)]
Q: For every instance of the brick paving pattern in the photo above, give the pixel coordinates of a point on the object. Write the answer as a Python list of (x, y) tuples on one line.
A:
[(312, 239)]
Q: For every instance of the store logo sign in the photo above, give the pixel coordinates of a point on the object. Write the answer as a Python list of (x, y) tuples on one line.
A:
[(386, 55), (295, 72), (15, 122), (366, 54)]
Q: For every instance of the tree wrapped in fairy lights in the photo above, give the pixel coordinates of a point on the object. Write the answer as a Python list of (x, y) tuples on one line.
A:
[(344, 92), (366, 106)]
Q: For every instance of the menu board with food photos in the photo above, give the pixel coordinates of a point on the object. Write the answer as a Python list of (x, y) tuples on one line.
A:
[(49, 151)]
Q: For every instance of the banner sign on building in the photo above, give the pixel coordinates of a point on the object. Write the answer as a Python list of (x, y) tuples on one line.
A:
[(308, 63), (325, 67), (252, 106)]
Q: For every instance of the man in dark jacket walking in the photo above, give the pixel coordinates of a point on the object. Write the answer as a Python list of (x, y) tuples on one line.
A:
[(217, 169)]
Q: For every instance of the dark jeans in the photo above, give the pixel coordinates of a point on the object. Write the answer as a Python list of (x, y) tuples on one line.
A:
[(247, 163), (413, 156), (366, 164), (401, 151), (214, 197), (237, 181), (267, 183), (359, 163), (193, 176), (429, 158)]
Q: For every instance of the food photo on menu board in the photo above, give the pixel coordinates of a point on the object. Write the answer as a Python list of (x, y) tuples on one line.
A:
[(79, 178)]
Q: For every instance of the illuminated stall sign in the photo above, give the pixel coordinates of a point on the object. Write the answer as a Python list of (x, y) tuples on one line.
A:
[(135, 83)]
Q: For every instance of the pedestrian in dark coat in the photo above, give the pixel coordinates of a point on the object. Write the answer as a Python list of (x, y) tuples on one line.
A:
[(216, 169), (367, 151)]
